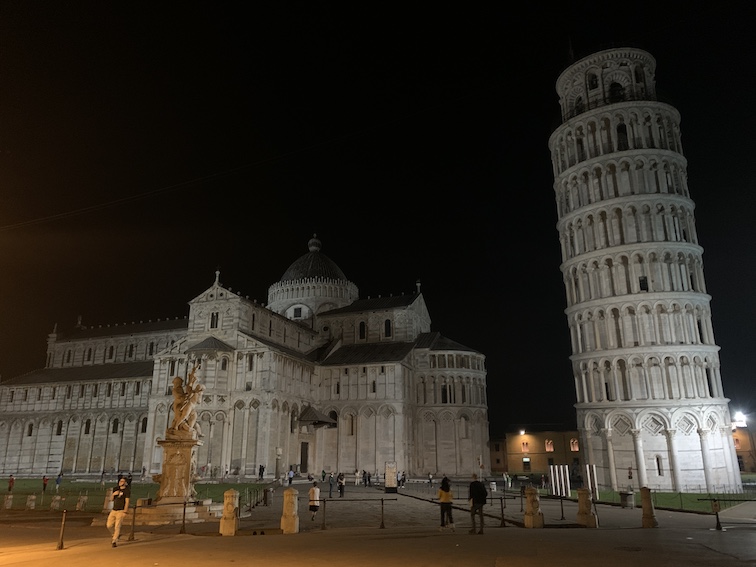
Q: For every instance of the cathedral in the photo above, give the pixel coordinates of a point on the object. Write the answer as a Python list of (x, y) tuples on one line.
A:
[(317, 379)]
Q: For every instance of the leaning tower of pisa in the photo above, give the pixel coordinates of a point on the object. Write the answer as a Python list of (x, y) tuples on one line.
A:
[(650, 406)]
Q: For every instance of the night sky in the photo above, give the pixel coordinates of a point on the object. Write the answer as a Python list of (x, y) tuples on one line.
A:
[(145, 146)]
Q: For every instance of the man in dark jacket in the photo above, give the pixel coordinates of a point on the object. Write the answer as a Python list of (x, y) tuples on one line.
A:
[(477, 495)]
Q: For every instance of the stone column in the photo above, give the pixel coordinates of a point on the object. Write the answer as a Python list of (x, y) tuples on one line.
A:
[(703, 435), (639, 458), (229, 523), (290, 515), (533, 515), (672, 451), (649, 516), (610, 459), (585, 516)]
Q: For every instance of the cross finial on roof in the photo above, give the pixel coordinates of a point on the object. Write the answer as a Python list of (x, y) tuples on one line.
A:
[(217, 276)]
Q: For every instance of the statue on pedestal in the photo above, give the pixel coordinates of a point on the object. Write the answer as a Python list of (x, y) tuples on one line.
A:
[(180, 443)]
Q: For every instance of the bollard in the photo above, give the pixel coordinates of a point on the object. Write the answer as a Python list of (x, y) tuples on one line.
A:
[(323, 523), (62, 529), (133, 524), (501, 505), (183, 521), (382, 524)]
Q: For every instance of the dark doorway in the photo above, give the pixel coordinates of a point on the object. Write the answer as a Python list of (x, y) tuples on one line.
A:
[(304, 450)]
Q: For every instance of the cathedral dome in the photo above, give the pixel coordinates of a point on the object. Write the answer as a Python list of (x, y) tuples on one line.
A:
[(313, 265), (312, 284)]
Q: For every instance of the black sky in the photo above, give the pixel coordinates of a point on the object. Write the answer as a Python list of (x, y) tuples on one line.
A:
[(145, 145)]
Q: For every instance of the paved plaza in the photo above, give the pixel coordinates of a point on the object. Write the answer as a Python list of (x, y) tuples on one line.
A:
[(370, 527)]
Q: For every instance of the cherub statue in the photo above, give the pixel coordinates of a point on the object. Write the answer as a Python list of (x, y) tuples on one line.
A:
[(185, 400)]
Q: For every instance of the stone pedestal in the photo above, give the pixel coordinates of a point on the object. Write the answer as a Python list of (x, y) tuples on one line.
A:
[(179, 469), (585, 516), (649, 515), (533, 515), (8, 501), (31, 502), (229, 523), (290, 516)]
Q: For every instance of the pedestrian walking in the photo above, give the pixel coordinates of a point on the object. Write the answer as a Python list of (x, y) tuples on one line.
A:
[(44, 484), (11, 482), (477, 496), (121, 497), (342, 484), (290, 475), (445, 498), (314, 496), (58, 480)]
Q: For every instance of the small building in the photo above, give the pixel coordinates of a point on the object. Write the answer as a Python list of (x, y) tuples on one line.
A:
[(530, 450)]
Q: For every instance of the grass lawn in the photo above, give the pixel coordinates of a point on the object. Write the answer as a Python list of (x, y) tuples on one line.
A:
[(95, 493)]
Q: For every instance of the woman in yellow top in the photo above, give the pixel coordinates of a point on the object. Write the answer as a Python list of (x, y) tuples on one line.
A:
[(445, 497)]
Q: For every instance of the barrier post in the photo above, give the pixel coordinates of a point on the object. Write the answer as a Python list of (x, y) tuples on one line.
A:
[(133, 524), (62, 529)]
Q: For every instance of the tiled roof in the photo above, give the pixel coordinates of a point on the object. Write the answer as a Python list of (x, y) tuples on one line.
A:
[(141, 369), (374, 304), (212, 344), (313, 265), (369, 354), (436, 341)]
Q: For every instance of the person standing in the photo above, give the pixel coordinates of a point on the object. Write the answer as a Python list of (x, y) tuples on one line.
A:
[(446, 497), (58, 480), (342, 484), (331, 482), (261, 472), (11, 482), (44, 484), (314, 495), (121, 497), (477, 495), (290, 474), (357, 477)]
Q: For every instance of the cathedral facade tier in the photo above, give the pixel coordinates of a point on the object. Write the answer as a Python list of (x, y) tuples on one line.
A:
[(318, 379), (650, 404)]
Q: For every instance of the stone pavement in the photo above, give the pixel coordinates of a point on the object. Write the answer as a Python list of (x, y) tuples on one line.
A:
[(370, 527)]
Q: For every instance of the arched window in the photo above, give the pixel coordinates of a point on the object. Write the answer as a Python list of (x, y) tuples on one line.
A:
[(387, 328), (659, 468), (224, 364), (30, 430), (144, 425), (574, 446), (59, 428), (110, 352), (68, 357), (616, 92), (549, 446), (115, 426), (87, 426), (363, 330), (89, 355)]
